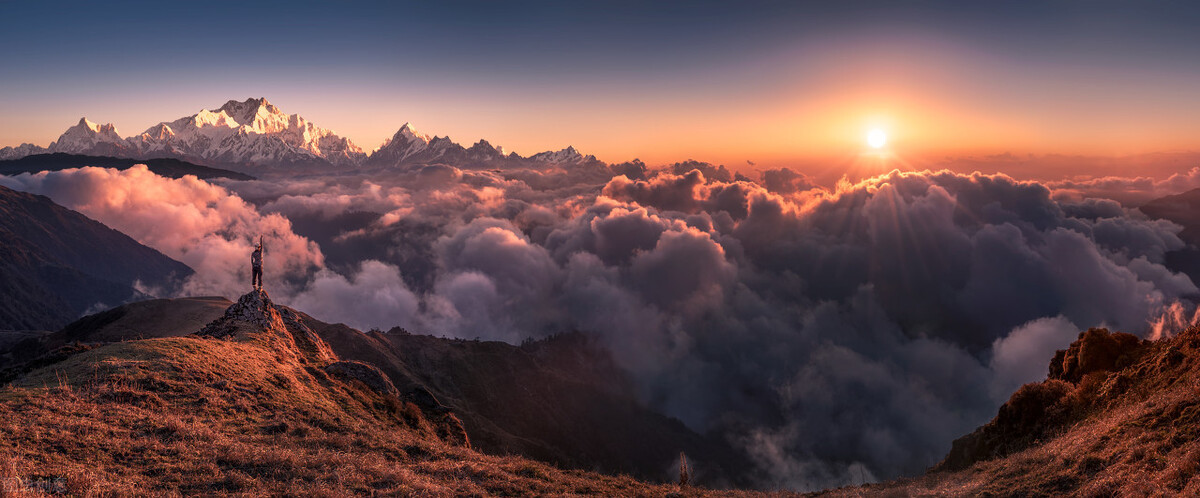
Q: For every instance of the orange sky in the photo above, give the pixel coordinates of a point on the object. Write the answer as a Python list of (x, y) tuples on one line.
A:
[(712, 88)]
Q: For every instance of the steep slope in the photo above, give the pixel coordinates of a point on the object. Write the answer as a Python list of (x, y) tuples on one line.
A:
[(171, 168), (253, 404), (56, 263), (1117, 416), (560, 400)]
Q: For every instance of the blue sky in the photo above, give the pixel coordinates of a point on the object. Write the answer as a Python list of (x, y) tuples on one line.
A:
[(624, 79)]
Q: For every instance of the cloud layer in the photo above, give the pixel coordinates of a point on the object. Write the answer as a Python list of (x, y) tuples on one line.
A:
[(836, 336)]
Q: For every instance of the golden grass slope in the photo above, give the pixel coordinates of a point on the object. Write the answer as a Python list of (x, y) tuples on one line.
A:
[(198, 415), (1127, 430)]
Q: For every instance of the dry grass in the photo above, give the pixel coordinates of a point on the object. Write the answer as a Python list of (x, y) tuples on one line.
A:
[(198, 416), (1137, 436)]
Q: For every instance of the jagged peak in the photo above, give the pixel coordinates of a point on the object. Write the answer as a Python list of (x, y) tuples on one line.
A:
[(254, 308), (566, 155), (410, 133), (220, 117), (94, 128), (250, 102), (244, 112), (255, 318)]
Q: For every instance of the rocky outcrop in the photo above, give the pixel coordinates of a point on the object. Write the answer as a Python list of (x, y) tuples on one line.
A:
[(255, 318), (362, 372), (1079, 380), (1095, 350)]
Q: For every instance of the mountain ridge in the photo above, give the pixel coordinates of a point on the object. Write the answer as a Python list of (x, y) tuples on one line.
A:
[(56, 264), (167, 167), (253, 135), (558, 400)]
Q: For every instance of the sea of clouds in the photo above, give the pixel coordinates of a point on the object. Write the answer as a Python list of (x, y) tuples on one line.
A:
[(834, 335)]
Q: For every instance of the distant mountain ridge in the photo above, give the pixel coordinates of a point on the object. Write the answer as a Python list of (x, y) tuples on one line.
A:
[(255, 135), (171, 168), (57, 264)]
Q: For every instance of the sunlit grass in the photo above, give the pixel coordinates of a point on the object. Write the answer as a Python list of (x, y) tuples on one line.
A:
[(202, 416)]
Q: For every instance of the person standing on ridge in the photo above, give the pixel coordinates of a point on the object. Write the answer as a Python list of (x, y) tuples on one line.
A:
[(256, 266)]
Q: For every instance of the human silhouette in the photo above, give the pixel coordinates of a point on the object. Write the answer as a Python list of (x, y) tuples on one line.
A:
[(256, 266)]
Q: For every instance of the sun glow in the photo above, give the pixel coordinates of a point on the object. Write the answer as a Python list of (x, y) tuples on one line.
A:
[(876, 138)]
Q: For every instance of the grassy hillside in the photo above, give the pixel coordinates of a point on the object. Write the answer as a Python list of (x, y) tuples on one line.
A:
[(250, 409), (561, 400), (1116, 417)]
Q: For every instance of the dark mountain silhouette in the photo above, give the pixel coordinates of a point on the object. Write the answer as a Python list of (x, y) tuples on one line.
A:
[(560, 400), (55, 264), (152, 318), (169, 167), (1184, 210)]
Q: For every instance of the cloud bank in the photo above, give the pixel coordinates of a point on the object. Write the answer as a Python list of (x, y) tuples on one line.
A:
[(835, 336)]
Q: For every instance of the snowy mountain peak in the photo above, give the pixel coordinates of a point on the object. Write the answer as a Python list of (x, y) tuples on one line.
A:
[(210, 118), (252, 132), (565, 156), (249, 110), (86, 126), (86, 136), (25, 149), (409, 132)]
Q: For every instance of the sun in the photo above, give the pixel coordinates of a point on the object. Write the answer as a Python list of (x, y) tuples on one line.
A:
[(876, 138)]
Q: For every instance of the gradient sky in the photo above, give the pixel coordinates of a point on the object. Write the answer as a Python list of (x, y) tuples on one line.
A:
[(775, 83)]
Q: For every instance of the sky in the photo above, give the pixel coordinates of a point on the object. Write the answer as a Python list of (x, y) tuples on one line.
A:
[(746, 84)]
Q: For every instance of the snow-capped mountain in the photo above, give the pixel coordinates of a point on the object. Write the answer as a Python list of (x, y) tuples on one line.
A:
[(20, 151), (566, 156), (250, 133), (410, 147), (90, 138), (253, 135)]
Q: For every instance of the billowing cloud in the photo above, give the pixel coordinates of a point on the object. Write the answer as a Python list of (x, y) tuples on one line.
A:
[(1020, 357), (373, 295), (836, 336), (1131, 191), (197, 223)]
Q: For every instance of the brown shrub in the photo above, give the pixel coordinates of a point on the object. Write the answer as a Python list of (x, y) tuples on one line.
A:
[(1096, 349), (1035, 405)]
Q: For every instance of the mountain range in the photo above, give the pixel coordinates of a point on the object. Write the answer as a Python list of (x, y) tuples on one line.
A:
[(255, 135), (167, 167)]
